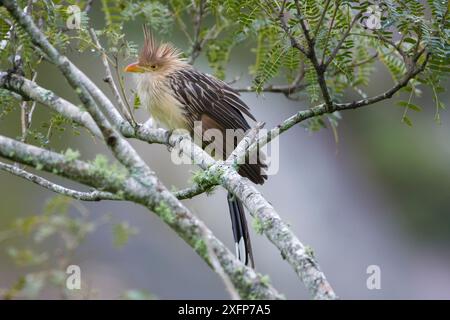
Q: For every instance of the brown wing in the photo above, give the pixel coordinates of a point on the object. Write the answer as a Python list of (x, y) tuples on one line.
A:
[(218, 106), (202, 94)]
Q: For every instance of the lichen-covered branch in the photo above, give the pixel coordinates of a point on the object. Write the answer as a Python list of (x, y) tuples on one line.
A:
[(94, 195), (30, 90), (279, 233), (192, 191), (154, 196), (274, 228), (139, 184), (157, 197)]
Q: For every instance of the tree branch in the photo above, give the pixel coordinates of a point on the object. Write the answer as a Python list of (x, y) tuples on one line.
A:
[(321, 109), (154, 197), (141, 185), (274, 228), (110, 80), (410, 74), (30, 90), (192, 191), (287, 90), (322, 16), (197, 44), (94, 195), (341, 42), (283, 23), (148, 190), (319, 68)]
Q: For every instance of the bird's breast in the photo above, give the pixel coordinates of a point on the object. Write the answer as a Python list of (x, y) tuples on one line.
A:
[(156, 96)]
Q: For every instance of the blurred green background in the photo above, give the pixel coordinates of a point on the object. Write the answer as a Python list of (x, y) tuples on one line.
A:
[(380, 196)]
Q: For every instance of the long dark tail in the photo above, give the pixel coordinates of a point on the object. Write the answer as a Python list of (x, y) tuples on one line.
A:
[(240, 231)]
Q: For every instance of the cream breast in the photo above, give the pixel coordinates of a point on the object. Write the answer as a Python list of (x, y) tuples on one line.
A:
[(154, 94)]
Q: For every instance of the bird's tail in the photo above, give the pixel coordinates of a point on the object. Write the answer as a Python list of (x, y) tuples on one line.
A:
[(240, 231)]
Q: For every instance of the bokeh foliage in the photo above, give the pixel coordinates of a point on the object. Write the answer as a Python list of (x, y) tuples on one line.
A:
[(43, 244)]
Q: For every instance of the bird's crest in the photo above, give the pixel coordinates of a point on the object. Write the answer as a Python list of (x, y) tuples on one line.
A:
[(157, 53)]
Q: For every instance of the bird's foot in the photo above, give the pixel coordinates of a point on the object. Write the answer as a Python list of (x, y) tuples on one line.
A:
[(175, 141)]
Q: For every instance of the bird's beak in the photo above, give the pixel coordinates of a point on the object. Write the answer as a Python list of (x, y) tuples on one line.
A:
[(134, 67)]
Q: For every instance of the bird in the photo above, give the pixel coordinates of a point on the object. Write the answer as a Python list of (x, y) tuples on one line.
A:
[(178, 96)]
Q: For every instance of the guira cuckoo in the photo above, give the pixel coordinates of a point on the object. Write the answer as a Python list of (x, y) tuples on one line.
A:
[(177, 96)]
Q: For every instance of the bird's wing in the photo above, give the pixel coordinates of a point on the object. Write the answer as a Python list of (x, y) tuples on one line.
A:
[(202, 94), (217, 106)]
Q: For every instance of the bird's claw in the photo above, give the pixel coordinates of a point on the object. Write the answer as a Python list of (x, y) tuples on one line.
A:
[(176, 141)]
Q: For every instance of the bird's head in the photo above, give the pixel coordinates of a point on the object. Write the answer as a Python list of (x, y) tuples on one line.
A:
[(156, 58)]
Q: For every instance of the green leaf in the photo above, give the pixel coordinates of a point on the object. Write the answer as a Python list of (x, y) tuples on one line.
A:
[(27, 224), (71, 155), (270, 66), (26, 257), (407, 120), (409, 105), (58, 205), (122, 232)]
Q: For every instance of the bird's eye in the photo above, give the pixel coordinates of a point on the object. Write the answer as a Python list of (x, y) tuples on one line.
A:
[(153, 66)]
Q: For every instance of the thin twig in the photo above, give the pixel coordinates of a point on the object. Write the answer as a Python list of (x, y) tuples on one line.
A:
[(341, 41), (196, 43), (88, 6), (394, 45), (322, 16), (283, 23), (360, 63), (287, 90), (330, 28), (26, 114), (192, 191), (321, 109), (319, 68), (110, 80), (94, 195)]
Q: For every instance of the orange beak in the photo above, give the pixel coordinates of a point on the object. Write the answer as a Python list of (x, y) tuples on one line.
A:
[(134, 67)]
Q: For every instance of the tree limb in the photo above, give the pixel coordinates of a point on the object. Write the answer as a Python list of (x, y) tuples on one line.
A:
[(287, 89), (141, 186), (148, 190), (312, 56), (30, 90), (283, 23), (94, 195), (341, 41), (110, 80), (322, 109), (197, 44), (154, 197), (192, 191)]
